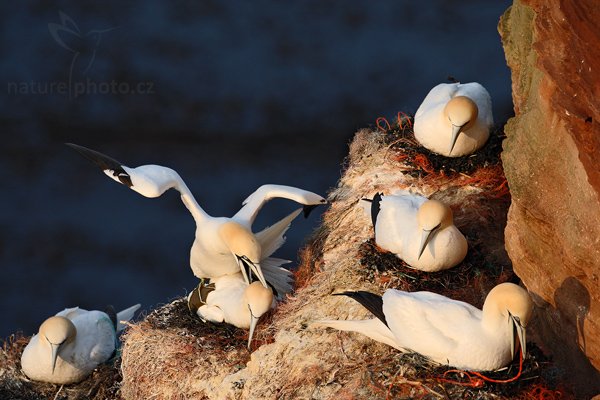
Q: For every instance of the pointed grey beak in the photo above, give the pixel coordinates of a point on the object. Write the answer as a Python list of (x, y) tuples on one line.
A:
[(521, 334), (425, 239), (253, 322), (455, 133), (244, 262), (54, 355)]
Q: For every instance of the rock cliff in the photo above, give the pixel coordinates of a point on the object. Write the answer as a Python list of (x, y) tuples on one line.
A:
[(551, 163)]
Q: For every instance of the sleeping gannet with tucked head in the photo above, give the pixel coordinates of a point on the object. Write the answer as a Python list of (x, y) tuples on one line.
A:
[(232, 300), (454, 119), (419, 231), (71, 344), (447, 331), (222, 245)]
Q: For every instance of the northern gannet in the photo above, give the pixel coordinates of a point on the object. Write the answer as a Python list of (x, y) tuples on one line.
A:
[(71, 344), (222, 245), (454, 119), (419, 231), (447, 331), (231, 300)]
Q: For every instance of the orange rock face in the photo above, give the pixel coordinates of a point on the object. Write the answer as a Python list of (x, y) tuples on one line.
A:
[(552, 162)]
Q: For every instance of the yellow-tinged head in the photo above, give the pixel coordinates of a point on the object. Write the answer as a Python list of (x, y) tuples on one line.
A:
[(240, 241), (508, 298), (461, 111), (511, 304), (259, 300), (433, 215), (57, 331)]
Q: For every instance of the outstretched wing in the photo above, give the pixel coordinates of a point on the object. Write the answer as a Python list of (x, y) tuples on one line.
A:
[(428, 323), (252, 205)]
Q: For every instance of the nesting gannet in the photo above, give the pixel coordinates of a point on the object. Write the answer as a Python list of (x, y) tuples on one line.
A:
[(232, 300), (71, 344), (447, 331), (419, 231), (454, 119), (222, 245)]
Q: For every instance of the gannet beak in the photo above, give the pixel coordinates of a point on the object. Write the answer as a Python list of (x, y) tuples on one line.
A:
[(253, 322), (54, 355), (426, 236), (258, 272), (521, 333), (244, 262), (455, 132)]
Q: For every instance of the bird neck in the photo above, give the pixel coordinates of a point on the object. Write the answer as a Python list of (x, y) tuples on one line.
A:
[(491, 317)]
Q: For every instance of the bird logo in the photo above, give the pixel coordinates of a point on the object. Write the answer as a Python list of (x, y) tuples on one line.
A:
[(83, 46)]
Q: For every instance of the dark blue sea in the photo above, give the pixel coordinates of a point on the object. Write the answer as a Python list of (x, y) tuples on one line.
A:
[(231, 94)]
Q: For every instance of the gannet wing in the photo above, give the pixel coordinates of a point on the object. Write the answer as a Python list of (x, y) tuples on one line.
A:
[(125, 316), (481, 97), (252, 205), (147, 180), (396, 221), (425, 320), (111, 167), (373, 328), (271, 238), (71, 313), (438, 96)]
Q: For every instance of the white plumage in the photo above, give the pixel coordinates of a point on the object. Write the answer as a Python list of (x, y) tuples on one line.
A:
[(233, 301), (71, 344), (419, 231), (222, 245), (454, 119), (447, 331)]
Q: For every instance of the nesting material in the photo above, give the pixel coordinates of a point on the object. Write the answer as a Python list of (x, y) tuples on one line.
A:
[(296, 360), (173, 352), (102, 384)]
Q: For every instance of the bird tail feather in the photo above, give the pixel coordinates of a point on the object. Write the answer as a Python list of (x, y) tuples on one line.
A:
[(125, 316), (280, 278)]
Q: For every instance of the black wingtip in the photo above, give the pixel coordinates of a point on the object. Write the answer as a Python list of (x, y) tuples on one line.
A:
[(194, 301), (375, 208), (104, 162), (371, 301), (307, 209), (112, 314)]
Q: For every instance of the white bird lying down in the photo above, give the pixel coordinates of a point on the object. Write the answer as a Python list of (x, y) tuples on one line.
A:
[(71, 344), (222, 246), (419, 231), (454, 119), (231, 300), (447, 331)]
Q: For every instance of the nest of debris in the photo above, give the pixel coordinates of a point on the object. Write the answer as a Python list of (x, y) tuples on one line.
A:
[(103, 384), (173, 351)]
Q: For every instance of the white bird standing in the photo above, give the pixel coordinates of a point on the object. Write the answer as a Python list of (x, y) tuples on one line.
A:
[(447, 331), (419, 231), (222, 245), (231, 300), (454, 119), (71, 344)]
